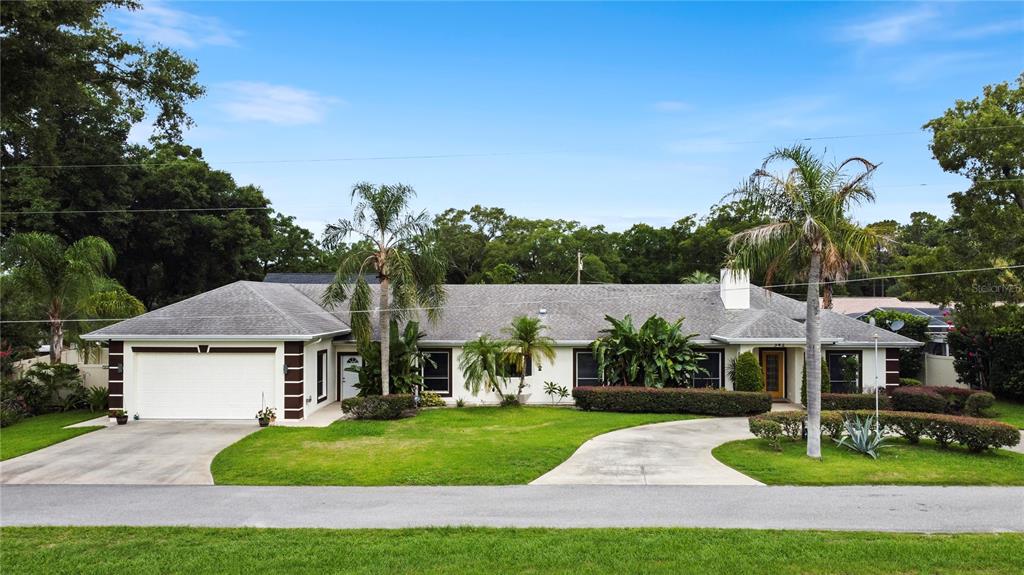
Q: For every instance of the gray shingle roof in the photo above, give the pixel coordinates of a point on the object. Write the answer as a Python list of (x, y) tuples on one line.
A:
[(572, 313), (242, 309)]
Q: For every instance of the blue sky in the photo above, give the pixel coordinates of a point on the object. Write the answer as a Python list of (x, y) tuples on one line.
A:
[(604, 113)]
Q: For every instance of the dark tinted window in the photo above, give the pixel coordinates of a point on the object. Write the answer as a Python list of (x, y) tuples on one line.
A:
[(713, 365), (436, 372), (586, 369)]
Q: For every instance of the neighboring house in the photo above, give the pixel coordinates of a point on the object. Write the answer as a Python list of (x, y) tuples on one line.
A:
[(938, 326), (227, 352)]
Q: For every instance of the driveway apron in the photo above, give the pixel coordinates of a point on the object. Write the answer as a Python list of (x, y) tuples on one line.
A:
[(140, 453), (673, 453)]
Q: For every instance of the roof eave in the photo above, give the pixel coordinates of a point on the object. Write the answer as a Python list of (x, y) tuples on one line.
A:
[(219, 337)]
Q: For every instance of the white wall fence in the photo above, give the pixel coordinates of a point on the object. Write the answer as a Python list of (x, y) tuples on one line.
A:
[(94, 373), (938, 370)]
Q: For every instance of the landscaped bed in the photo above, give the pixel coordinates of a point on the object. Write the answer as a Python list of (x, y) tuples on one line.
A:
[(901, 464), (470, 446), (104, 550), (42, 431)]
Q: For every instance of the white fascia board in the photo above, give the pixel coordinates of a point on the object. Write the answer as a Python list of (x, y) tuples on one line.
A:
[(881, 344), (770, 340), (202, 337)]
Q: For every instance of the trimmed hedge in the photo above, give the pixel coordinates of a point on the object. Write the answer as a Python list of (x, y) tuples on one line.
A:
[(919, 399), (849, 401), (379, 406), (973, 433), (671, 400), (954, 400)]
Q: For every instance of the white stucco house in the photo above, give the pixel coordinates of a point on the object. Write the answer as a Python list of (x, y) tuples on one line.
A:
[(226, 353)]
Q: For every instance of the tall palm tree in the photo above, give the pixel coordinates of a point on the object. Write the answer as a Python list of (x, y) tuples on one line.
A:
[(483, 364), (66, 281), (527, 342), (400, 249), (810, 227)]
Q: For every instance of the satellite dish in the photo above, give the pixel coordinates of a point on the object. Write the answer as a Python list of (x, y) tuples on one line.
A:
[(897, 325)]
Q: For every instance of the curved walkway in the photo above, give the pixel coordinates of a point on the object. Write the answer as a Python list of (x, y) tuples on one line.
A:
[(673, 453)]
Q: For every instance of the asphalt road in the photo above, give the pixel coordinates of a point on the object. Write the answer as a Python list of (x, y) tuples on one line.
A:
[(915, 509)]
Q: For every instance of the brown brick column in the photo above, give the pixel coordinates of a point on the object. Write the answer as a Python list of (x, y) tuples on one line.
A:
[(294, 384), (115, 374)]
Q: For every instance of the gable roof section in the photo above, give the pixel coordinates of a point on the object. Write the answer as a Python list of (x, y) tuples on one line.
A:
[(241, 310), (573, 314)]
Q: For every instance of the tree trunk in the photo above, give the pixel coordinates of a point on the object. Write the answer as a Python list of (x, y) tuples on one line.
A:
[(56, 339), (826, 298), (384, 321), (813, 359)]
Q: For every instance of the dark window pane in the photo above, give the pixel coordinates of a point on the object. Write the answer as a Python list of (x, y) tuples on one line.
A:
[(586, 366), (438, 366)]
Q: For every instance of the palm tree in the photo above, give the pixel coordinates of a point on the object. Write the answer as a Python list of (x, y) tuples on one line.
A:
[(810, 227), (66, 281), (400, 248), (483, 364), (700, 277), (527, 342)]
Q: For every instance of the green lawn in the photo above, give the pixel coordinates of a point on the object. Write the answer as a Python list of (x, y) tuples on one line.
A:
[(450, 551), (471, 446), (902, 464), (1008, 412), (42, 431)]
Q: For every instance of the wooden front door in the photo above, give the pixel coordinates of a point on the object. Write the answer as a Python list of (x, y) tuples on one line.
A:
[(773, 365)]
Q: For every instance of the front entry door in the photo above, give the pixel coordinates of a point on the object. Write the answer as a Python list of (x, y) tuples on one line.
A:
[(347, 380), (773, 365)]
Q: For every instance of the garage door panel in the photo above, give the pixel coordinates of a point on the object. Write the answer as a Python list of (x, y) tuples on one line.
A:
[(203, 386)]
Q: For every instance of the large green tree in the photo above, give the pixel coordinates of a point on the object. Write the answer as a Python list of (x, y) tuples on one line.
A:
[(71, 90), (983, 140), (65, 282), (810, 226), (400, 247)]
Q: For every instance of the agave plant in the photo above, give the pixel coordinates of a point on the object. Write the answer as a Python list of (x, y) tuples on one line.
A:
[(862, 436)]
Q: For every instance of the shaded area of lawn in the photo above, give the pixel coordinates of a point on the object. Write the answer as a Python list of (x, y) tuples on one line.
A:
[(472, 446), (901, 464), (1008, 412), (42, 431), (104, 550)]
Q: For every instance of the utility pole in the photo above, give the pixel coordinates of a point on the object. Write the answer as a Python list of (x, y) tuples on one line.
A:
[(579, 266)]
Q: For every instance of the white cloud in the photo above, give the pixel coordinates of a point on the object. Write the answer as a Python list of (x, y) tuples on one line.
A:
[(890, 29), (672, 106), (273, 103), (158, 23)]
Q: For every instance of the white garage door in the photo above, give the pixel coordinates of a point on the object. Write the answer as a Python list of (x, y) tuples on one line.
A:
[(203, 385)]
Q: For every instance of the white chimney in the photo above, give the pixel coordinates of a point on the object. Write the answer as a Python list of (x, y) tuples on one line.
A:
[(735, 289)]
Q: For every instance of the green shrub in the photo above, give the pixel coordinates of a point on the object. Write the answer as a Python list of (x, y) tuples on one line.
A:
[(460, 402), (826, 383), (671, 400), (431, 399), (975, 434), (850, 401), (910, 382), (97, 398), (10, 413), (990, 360), (977, 403), (510, 400), (766, 429), (919, 399), (747, 375), (379, 406)]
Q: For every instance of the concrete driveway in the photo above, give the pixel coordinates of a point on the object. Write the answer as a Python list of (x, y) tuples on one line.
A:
[(673, 453), (142, 453)]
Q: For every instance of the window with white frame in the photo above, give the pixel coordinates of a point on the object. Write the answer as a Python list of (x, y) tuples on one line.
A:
[(437, 372), (585, 368)]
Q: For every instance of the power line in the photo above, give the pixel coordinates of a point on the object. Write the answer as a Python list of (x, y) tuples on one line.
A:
[(465, 155), (250, 208), (714, 287)]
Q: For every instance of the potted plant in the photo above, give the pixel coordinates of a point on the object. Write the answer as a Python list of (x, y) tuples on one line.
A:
[(266, 416), (120, 415)]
